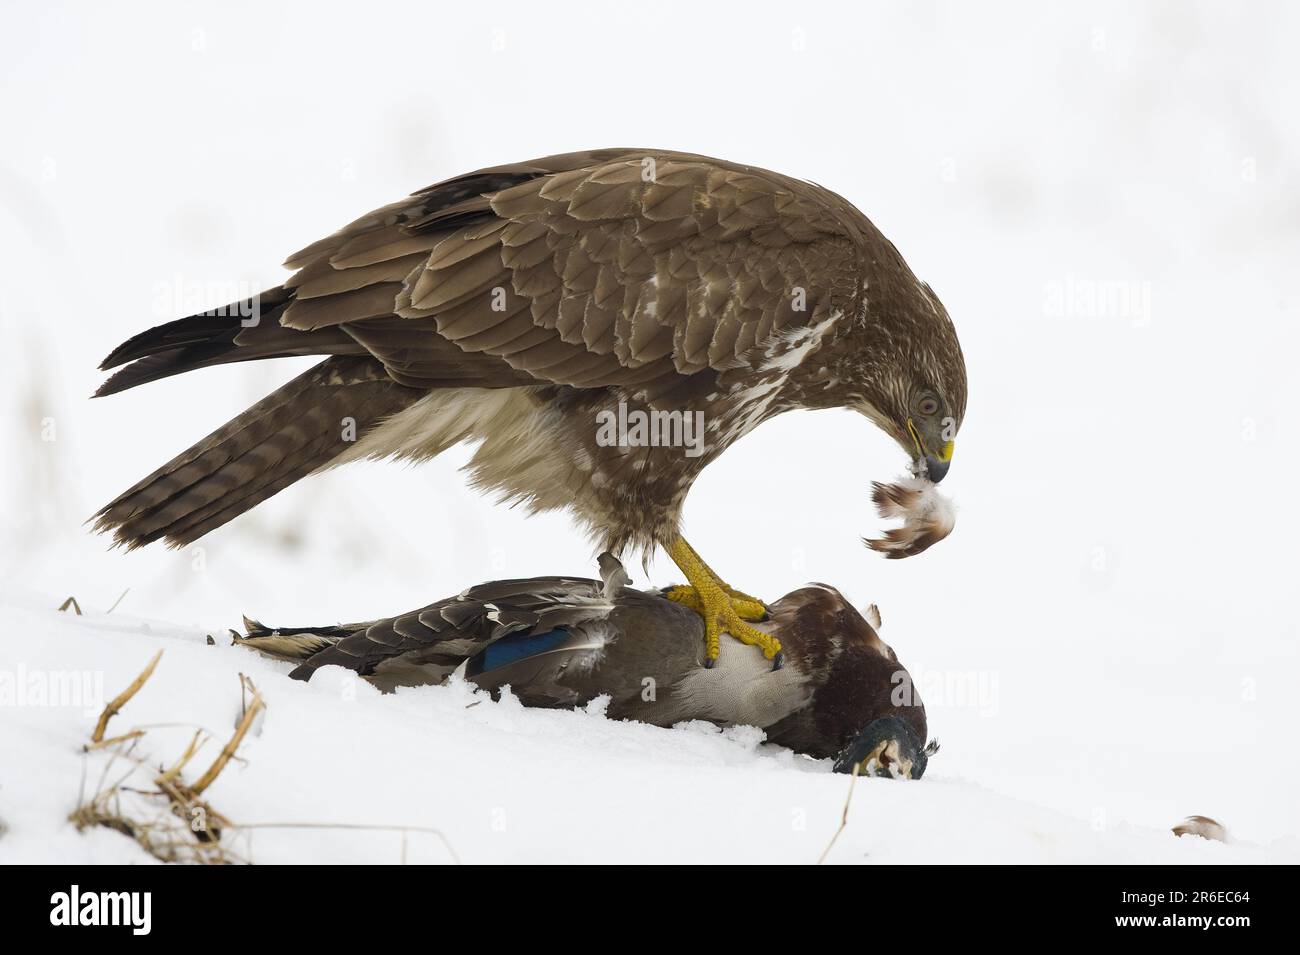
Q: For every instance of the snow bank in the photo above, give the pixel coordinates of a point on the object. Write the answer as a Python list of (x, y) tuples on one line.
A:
[(501, 782)]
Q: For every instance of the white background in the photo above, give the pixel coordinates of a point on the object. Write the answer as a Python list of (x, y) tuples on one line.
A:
[(1121, 575)]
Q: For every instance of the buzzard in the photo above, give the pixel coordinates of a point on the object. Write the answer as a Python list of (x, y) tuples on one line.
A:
[(603, 323)]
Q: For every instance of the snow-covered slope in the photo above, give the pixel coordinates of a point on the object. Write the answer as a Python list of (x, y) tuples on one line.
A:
[(502, 783)]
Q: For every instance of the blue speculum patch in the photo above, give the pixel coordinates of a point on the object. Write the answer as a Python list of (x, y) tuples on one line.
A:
[(515, 647)]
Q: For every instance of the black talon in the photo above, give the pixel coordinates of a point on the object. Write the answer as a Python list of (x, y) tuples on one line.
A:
[(778, 661), (709, 662)]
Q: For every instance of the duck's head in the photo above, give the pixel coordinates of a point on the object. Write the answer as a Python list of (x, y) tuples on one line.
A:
[(887, 747)]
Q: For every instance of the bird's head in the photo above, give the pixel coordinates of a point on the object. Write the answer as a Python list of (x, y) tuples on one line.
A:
[(929, 432), (887, 747), (922, 402), (916, 379)]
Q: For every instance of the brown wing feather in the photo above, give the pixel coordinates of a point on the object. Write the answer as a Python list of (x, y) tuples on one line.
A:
[(614, 267)]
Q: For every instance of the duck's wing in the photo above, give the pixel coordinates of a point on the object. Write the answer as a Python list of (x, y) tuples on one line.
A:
[(425, 645)]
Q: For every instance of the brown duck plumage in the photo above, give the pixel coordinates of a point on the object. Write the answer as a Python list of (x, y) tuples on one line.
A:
[(564, 641)]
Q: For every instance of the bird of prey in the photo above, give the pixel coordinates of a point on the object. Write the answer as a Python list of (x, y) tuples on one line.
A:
[(603, 323), (564, 641)]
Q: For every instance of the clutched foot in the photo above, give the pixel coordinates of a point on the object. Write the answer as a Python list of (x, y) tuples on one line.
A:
[(724, 609), (747, 607)]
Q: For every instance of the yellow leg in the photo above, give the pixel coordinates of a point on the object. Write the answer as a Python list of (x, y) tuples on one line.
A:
[(724, 610)]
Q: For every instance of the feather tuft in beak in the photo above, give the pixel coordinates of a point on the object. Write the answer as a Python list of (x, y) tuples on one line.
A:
[(928, 517)]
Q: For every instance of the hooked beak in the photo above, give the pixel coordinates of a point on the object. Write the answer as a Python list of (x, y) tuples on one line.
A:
[(936, 468), (937, 462)]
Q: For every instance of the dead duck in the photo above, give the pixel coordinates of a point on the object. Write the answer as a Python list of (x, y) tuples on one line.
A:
[(564, 641)]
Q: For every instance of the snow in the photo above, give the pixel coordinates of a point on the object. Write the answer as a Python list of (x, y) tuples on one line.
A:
[(1103, 196), (501, 782)]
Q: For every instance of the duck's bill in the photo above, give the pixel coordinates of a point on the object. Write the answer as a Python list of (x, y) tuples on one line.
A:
[(887, 748)]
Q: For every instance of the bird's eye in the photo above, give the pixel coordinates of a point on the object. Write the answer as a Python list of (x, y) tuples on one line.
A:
[(927, 406)]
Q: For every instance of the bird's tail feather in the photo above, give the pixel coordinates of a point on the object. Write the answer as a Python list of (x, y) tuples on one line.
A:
[(294, 643), (295, 430), (242, 331)]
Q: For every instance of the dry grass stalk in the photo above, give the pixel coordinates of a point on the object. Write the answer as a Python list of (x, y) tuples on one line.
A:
[(118, 600), (844, 816), (116, 704), (196, 744), (114, 740), (172, 822), (245, 688), (70, 602), (152, 820), (228, 750)]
